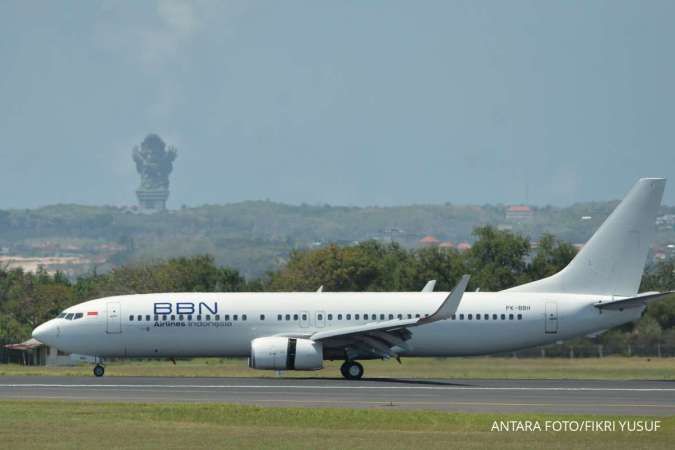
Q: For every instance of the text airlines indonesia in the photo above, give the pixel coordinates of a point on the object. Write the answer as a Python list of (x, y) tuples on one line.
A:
[(299, 330)]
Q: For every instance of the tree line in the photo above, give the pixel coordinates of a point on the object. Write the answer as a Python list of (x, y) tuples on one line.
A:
[(498, 260)]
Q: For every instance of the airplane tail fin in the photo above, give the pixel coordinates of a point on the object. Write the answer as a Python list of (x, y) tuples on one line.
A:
[(613, 260)]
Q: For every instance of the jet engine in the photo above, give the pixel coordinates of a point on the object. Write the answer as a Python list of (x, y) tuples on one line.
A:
[(283, 353)]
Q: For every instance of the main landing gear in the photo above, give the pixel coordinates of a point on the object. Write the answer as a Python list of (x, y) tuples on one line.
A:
[(351, 370), (99, 370)]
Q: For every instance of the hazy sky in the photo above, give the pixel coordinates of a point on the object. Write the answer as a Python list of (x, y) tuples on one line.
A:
[(342, 102)]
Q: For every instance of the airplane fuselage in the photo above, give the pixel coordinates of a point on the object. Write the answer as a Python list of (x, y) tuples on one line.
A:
[(224, 324)]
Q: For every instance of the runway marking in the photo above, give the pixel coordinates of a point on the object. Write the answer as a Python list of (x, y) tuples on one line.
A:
[(310, 387)]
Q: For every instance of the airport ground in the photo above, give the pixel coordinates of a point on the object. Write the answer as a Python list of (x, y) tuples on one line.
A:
[(422, 403), (608, 368), (50, 424)]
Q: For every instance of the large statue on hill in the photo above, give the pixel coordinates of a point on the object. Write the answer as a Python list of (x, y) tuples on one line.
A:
[(154, 162)]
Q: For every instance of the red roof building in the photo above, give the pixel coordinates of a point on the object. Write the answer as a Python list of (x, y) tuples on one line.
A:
[(429, 241)]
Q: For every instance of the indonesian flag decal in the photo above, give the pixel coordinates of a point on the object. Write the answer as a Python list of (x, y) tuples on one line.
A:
[(92, 313)]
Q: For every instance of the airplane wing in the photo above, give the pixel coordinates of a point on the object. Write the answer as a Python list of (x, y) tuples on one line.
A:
[(429, 287), (633, 302), (377, 339)]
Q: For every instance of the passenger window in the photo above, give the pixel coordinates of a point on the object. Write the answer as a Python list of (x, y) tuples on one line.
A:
[(453, 317), (163, 316), (295, 317), (208, 317), (400, 316), (226, 317), (147, 318), (391, 317), (319, 316), (469, 316), (279, 316), (304, 317), (339, 316), (494, 317), (503, 317), (461, 317), (199, 318), (131, 318), (486, 317), (288, 317), (189, 317), (330, 317), (477, 316), (409, 316), (365, 317), (356, 317), (234, 317), (349, 317), (262, 316), (510, 316), (243, 317), (78, 316), (217, 317), (156, 317), (520, 317), (181, 317)]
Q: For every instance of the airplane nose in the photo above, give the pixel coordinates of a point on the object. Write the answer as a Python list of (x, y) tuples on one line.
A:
[(46, 333)]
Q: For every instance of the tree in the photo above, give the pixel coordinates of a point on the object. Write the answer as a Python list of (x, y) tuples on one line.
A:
[(661, 277), (497, 259), (551, 257)]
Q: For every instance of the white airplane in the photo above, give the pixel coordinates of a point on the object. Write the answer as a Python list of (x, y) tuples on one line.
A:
[(298, 331)]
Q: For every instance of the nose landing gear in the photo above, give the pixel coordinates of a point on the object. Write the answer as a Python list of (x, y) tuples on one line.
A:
[(99, 370), (351, 370)]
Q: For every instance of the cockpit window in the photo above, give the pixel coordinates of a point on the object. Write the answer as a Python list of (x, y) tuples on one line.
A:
[(78, 316), (61, 316), (69, 316)]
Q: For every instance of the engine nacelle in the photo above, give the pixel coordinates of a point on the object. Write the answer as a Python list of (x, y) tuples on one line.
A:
[(283, 353)]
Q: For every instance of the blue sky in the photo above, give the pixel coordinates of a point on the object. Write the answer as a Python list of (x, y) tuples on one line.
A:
[(340, 102)]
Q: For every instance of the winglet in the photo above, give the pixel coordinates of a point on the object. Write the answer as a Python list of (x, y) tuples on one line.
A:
[(429, 287), (320, 289), (450, 304)]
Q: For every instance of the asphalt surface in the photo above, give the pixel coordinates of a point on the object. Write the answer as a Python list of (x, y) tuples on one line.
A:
[(522, 396)]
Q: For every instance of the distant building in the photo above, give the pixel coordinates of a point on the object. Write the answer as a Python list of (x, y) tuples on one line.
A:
[(34, 353), (446, 244), (429, 241), (463, 246), (519, 213), (665, 222)]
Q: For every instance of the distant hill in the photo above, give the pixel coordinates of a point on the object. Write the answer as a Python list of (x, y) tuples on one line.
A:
[(257, 236)]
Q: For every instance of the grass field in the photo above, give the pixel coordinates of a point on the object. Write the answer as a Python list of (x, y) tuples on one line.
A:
[(610, 368), (54, 425)]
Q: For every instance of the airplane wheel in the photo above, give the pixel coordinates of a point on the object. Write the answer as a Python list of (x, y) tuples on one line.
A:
[(99, 370), (352, 370)]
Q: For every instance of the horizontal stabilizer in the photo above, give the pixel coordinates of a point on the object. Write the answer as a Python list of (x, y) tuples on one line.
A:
[(633, 302)]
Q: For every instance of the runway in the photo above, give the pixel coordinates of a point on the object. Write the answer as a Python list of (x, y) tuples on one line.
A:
[(655, 398)]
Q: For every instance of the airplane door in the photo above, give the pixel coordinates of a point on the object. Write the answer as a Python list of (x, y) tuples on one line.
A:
[(304, 319), (320, 318), (113, 317), (551, 326)]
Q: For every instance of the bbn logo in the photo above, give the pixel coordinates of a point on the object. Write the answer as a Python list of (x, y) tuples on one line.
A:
[(185, 308)]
